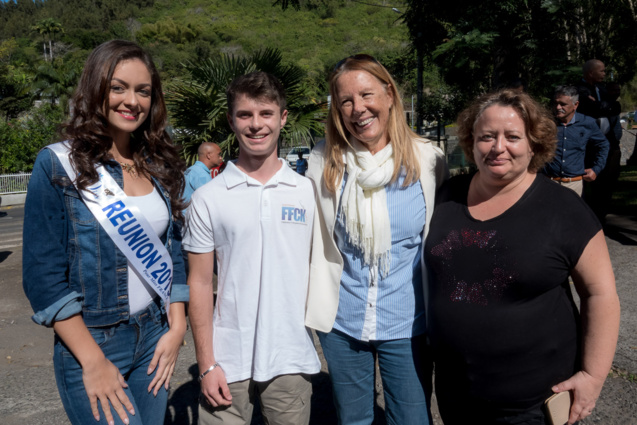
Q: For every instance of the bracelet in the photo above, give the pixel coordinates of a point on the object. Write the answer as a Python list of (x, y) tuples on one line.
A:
[(210, 369)]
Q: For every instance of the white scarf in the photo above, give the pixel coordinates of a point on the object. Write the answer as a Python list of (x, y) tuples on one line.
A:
[(364, 203)]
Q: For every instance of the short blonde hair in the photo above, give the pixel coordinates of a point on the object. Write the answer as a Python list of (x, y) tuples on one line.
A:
[(538, 123), (337, 136)]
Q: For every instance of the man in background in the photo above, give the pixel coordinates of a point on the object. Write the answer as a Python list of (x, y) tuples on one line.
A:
[(593, 97), (574, 133), (199, 174), (301, 164), (599, 193)]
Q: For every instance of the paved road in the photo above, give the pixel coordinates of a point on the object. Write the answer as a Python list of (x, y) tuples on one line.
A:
[(11, 220), (28, 394)]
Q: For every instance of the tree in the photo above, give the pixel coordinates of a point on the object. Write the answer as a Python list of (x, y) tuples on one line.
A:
[(602, 29), (41, 29), (22, 139), (198, 101), (53, 28), (14, 84), (167, 31), (47, 28), (56, 82), (298, 4), (484, 45)]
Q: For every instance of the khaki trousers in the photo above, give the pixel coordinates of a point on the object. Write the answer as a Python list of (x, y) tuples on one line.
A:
[(285, 400), (577, 187)]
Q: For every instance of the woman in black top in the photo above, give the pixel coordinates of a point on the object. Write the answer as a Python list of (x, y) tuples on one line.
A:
[(501, 248)]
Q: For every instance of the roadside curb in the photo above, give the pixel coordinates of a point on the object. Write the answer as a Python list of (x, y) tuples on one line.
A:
[(14, 199)]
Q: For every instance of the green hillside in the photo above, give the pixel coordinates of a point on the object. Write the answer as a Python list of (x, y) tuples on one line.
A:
[(178, 31), (311, 39), (44, 43)]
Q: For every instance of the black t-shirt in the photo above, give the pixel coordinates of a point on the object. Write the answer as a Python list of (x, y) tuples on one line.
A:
[(502, 318)]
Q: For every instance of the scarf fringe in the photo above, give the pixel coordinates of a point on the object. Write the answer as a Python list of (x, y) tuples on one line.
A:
[(365, 204)]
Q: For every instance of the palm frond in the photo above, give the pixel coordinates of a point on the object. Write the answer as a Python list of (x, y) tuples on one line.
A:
[(198, 104)]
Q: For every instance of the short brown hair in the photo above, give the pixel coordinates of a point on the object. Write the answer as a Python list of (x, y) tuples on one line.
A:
[(538, 123), (256, 85)]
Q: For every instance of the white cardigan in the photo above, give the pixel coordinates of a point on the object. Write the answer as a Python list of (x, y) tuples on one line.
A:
[(326, 266)]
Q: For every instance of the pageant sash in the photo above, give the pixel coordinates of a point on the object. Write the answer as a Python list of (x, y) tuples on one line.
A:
[(126, 226)]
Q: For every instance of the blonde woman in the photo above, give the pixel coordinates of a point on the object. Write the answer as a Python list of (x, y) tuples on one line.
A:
[(376, 182)]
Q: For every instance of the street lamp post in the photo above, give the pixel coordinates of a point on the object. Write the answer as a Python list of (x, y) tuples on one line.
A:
[(419, 89), (419, 83)]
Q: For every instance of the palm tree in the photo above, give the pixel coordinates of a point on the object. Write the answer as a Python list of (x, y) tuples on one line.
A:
[(198, 102), (47, 28), (53, 28), (56, 83), (41, 29)]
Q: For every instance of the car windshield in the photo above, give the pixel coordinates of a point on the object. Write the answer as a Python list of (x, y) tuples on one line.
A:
[(297, 150)]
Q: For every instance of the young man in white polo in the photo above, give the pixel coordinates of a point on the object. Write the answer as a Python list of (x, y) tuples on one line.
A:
[(257, 217)]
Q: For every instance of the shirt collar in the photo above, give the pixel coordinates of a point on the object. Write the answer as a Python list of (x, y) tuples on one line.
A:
[(576, 117), (233, 176), (572, 121), (202, 166)]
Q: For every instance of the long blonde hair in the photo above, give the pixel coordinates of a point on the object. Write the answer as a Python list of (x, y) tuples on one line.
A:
[(401, 135)]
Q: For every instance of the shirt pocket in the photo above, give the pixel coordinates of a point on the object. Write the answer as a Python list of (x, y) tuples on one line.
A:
[(78, 211)]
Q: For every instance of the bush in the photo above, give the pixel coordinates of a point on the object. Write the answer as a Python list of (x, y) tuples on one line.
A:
[(21, 139)]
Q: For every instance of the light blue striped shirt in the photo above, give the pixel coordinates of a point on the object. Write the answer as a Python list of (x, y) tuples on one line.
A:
[(393, 307)]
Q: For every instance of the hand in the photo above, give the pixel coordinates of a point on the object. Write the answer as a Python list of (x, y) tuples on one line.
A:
[(215, 388), (590, 175), (104, 383), (586, 389), (165, 359)]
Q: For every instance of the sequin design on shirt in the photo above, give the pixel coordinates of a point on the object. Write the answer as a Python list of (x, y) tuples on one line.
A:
[(478, 291)]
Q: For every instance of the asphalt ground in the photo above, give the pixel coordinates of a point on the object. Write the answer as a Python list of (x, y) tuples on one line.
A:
[(28, 394)]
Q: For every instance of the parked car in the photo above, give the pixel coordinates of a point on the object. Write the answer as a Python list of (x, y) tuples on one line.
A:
[(293, 155)]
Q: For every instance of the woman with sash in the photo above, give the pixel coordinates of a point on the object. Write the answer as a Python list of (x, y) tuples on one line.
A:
[(102, 244)]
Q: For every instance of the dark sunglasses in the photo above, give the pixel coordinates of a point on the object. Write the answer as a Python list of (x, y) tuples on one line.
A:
[(360, 57)]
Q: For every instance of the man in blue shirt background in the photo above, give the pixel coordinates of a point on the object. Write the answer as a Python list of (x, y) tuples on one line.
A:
[(199, 174), (574, 133), (301, 164)]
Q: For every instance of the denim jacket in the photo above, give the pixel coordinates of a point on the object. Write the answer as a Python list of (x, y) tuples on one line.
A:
[(70, 264)]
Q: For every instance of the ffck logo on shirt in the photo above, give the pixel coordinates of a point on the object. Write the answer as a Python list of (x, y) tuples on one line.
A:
[(291, 214)]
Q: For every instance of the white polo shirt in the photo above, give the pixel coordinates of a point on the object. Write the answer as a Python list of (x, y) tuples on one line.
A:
[(262, 235)]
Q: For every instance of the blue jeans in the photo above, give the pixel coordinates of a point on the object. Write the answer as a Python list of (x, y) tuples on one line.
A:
[(129, 346), (405, 369)]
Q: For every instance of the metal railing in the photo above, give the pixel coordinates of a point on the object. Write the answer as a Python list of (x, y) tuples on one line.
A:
[(14, 183)]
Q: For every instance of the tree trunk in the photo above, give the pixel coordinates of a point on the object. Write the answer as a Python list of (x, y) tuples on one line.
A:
[(44, 48), (51, 50)]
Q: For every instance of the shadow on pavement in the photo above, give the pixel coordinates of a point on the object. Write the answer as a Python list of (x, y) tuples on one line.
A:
[(4, 255), (622, 229), (183, 403), (618, 235)]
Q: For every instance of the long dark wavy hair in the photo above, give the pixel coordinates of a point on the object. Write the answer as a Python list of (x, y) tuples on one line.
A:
[(87, 128)]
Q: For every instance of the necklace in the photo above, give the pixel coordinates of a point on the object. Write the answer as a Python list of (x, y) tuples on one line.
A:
[(129, 168)]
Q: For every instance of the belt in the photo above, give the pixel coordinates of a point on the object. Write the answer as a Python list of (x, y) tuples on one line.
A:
[(567, 179)]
